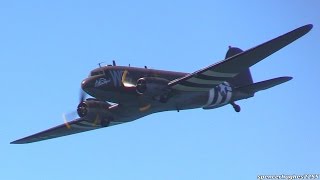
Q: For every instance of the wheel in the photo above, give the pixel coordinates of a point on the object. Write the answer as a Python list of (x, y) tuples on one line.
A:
[(237, 108), (105, 122)]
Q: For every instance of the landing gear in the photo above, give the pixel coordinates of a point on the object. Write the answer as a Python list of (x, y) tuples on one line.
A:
[(236, 107), (106, 122)]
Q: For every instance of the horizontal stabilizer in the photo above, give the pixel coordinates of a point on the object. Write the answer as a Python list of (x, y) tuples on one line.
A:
[(255, 87)]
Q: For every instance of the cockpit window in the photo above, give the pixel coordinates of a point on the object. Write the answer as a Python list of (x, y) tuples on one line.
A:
[(95, 73)]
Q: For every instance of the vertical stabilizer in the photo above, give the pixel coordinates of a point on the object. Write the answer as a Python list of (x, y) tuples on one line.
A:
[(243, 78)]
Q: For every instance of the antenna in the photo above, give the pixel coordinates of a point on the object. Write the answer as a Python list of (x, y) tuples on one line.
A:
[(114, 62), (99, 64)]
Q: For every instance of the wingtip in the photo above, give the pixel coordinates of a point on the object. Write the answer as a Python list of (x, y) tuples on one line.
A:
[(308, 27), (14, 142), (301, 31), (305, 29), (287, 78), (19, 141)]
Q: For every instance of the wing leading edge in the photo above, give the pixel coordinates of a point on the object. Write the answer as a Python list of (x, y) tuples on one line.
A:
[(76, 126), (209, 77)]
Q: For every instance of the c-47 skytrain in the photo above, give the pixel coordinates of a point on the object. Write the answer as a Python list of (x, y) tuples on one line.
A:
[(122, 94)]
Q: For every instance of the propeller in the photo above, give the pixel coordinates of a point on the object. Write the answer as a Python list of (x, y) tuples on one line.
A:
[(64, 117), (127, 82), (73, 115), (67, 116), (82, 96)]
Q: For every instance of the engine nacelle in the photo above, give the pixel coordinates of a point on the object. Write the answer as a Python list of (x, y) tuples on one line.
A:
[(151, 86), (95, 110)]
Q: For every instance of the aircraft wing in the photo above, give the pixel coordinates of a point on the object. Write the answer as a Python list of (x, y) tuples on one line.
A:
[(76, 126), (209, 77)]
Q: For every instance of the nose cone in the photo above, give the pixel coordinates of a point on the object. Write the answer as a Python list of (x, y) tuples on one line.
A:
[(96, 86)]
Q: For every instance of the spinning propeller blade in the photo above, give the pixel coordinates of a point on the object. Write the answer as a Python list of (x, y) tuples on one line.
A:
[(65, 121), (82, 96), (73, 115)]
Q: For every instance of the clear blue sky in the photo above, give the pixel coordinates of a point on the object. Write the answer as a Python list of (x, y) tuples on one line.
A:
[(47, 48)]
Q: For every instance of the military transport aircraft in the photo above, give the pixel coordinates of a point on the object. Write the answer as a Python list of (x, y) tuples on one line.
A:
[(123, 94)]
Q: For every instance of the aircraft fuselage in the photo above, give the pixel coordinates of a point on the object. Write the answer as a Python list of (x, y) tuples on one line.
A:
[(105, 83)]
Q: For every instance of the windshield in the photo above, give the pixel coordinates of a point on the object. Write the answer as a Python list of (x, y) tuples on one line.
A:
[(94, 73)]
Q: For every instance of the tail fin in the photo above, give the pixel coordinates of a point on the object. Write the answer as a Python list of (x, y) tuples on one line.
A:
[(243, 78)]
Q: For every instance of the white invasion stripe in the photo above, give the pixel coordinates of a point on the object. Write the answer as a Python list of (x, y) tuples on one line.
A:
[(211, 96), (229, 94), (86, 123), (81, 127), (219, 74), (218, 100), (203, 81), (188, 88)]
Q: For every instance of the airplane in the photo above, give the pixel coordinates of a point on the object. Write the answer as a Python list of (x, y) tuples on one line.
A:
[(121, 94)]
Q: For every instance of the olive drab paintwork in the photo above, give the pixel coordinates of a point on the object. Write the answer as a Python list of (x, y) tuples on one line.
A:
[(122, 94)]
